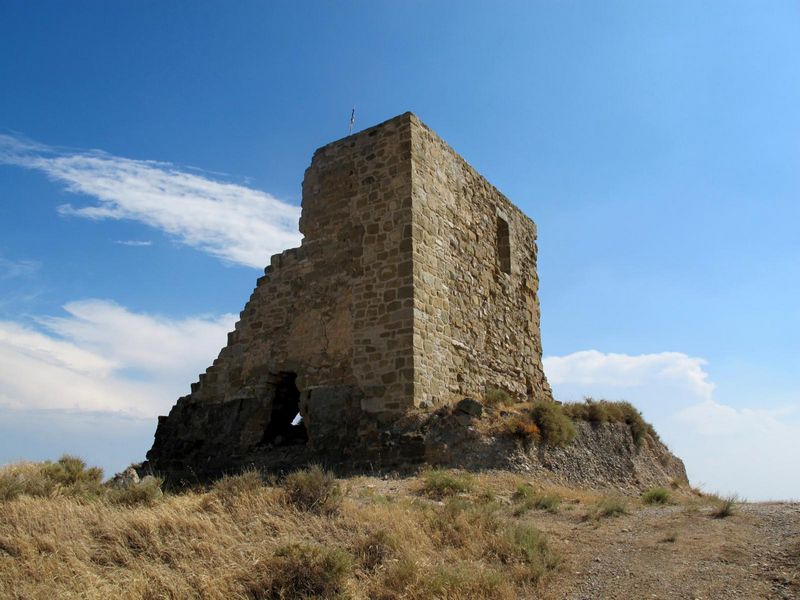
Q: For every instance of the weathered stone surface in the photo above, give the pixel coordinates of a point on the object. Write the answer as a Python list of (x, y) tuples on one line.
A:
[(470, 407), (415, 286), (128, 478)]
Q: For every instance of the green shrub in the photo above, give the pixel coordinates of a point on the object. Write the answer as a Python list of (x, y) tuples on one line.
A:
[(555, 427), (523, 493), (313, 489), (441, 483), (527, 498), (609, 506), (548, 502), (302, 571), (495, 396), (657, 495)]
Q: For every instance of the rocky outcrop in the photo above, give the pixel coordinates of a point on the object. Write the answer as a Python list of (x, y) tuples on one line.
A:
[(601, 454), (467, 435)]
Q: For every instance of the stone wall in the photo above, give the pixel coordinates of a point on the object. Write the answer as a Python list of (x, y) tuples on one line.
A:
[(336, 313), (476, 308), (403, 295)]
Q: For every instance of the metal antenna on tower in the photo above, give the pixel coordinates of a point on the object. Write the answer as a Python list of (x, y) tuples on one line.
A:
[(352, 120)]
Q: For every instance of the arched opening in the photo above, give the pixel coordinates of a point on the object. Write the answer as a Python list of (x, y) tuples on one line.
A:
[(285, 427)]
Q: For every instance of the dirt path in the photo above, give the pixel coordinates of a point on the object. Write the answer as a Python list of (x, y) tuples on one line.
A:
[(677, 552)]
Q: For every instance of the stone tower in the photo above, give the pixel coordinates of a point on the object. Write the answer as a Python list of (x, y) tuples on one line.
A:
[(414, 287)]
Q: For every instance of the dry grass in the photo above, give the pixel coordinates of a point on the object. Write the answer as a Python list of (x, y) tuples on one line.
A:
[(245, 539), (69, 476), (605, 411), (527, 498), (441, 483), (724, 507)]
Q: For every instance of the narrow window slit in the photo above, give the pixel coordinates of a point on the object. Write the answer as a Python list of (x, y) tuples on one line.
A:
[(503, 245)]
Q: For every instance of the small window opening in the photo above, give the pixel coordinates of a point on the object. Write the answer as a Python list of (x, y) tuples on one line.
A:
[(286, 427), (503, 245)]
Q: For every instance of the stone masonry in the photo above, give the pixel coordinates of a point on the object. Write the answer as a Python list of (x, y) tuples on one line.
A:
[(414, 287)]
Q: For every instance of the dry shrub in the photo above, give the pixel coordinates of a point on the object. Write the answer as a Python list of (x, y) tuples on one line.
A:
[(670, 538), (443, 483), (555, 426), (314, 490), (145, 493), (396, 581), (464, 581), (460, 523), (605, 411), (301, 571), (495, 396), (481, 531), (231, 487), (522, 426), (374, 549), (526, 546), (724, 507), (69, 476)]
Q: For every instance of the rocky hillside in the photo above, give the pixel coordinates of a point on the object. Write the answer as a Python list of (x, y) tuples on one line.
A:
[(595, 444)]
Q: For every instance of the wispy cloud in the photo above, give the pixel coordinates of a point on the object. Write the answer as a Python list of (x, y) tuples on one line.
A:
[(17, 268), (749, 449), (134, 243), (233, 222), (103, 357)]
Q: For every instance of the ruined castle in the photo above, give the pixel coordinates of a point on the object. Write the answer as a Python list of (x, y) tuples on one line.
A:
[(414, 287)]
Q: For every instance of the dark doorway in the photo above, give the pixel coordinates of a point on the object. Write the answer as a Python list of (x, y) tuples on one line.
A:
[(285, 427)]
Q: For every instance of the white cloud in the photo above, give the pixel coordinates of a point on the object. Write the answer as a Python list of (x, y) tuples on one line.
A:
[(134, 243), (233, 222), (749, 450), (17, 268), (590, 367), (103, 357)]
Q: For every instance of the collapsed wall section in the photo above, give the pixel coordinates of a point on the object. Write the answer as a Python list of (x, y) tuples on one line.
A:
[(327, 330), (476, 308)]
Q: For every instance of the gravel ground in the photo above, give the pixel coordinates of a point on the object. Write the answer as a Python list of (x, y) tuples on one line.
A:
[(677, 552)]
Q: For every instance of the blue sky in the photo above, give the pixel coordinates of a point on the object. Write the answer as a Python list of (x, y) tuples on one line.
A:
[(151, 156)]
